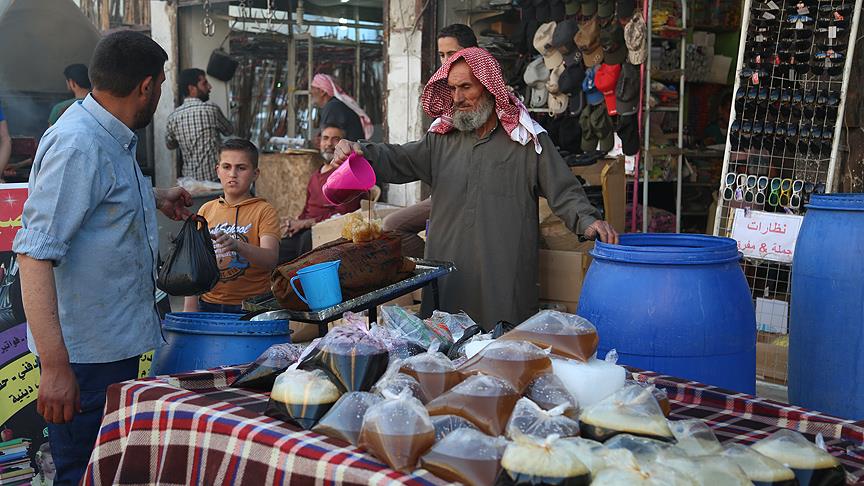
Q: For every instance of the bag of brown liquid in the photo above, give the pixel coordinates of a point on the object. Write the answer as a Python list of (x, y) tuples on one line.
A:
[(529, 419), (486, 401), (433, 371), (568, 335), (302, 397), (398, 431), (344, 420), (517, 362), (444, 424), (466, 456), (352, 355)]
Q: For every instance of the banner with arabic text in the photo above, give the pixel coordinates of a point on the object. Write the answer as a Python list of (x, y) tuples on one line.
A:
[(766, 236)]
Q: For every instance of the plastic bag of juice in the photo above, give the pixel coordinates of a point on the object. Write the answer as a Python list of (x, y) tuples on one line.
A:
[(262, 373), (568, 335), (344, 420), (630, 410), (444, 424), (486, 401), (549, 461), (466, 456), (517, 362), (398, 431), (352, 355), (548, 392), (811, 464), (302, 397), (433, 371), (529, 419)]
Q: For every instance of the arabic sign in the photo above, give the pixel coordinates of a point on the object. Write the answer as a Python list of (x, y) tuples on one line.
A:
[(19, 384), (767, 236), (12, 197)]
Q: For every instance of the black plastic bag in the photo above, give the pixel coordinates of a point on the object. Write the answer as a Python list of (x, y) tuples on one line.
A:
[(191, 267)]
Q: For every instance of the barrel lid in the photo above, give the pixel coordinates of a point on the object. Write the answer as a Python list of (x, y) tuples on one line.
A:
[(222, 324), (668, 249), (851, 201)]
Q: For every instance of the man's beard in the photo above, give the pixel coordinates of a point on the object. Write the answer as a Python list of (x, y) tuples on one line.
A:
[(205, 97), (468, 121), (145, 116), (328, 156)]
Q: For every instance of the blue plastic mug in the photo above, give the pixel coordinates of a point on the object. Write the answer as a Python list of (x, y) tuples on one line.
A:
[(320, 284)]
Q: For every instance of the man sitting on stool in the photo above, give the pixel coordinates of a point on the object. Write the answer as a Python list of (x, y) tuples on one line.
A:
[(297, 233)]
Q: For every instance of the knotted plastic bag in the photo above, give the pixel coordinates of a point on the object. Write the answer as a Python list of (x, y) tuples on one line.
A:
[(444, 424), (517, 362), (529, 419), (352, 355), (758, 467), (394, 382), (262, 373), (302, 397), (456, 324), (398, 345), (548, 392), (659, 394), (630, 410), (402, 323), (549, 461), (345, 419), (190, 267), (466, 456), (695, 438), (811, 464), (398, 431), (568, 335), (486, 401), (433, 371)]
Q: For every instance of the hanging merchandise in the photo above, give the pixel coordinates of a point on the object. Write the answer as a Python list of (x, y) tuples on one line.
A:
[(543, 44), (636, 38), (535, 77), (588, 41)]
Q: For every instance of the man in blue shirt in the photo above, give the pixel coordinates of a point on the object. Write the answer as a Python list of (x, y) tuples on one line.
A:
[(88, 247)]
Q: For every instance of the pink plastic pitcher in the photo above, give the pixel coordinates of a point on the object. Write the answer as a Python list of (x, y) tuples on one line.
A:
[(349, 180)]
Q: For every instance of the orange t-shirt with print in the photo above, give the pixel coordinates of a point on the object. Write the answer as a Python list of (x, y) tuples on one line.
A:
[(247, 221)]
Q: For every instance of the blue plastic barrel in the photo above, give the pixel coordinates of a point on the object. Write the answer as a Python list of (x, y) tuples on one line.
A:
[(826, 330), (676, 304), (201, 340)]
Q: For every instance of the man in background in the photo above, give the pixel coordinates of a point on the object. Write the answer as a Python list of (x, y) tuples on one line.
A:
[(297, 233), (78, 82), (410, 221), (339, 109), (195, 127)]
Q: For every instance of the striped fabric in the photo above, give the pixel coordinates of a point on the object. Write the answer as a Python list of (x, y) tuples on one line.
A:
[(193, 429)]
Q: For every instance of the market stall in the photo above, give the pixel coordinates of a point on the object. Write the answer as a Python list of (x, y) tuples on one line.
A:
[(194, 429)]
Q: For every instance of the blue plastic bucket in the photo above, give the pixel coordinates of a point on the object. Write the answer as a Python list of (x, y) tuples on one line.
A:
[(826, 329), (675, 304), (202, 340), (320, 283)]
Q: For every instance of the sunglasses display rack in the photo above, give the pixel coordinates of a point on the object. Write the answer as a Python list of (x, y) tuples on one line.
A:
[(794, 63)]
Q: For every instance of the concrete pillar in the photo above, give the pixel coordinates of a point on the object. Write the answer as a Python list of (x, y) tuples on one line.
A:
[(163, 29), (404, 113)]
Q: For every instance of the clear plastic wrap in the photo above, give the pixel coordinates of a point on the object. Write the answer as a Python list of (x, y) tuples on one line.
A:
[(444, 424), (398, 431), (630, 410), (695, 438), (352, 355), (398, 346), (811, 464), (345, 418), (486, 401), (549, 461), (529, 419), (456, 324), (517, 362), (659, 394), (262, 373), (302, 397), (568, 335), (548, 392), (402, 323), (760, 469), (466, 456), (433, 371)]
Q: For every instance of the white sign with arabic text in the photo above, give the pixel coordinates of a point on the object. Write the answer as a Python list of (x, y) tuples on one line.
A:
[(768, 236)]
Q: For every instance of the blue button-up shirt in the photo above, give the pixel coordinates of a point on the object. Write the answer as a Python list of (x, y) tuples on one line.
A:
[(92, 212)]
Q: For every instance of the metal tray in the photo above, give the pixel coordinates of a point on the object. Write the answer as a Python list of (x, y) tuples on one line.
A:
[(425, 272)]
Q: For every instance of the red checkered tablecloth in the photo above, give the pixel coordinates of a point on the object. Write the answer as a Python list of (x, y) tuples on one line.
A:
[(194, 429)]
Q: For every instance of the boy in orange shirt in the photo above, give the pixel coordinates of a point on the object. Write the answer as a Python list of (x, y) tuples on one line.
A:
[(245, 230)]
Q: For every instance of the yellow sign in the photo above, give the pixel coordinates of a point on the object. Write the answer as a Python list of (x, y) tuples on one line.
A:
[(145, 364), (19, 385)]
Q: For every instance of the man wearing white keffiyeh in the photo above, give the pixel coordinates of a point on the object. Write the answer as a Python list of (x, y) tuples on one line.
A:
[(486, 176)]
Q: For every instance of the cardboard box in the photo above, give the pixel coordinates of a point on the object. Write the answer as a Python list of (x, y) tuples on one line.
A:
[(562, 273), (771, 362), (609, 173), (331, 229)]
